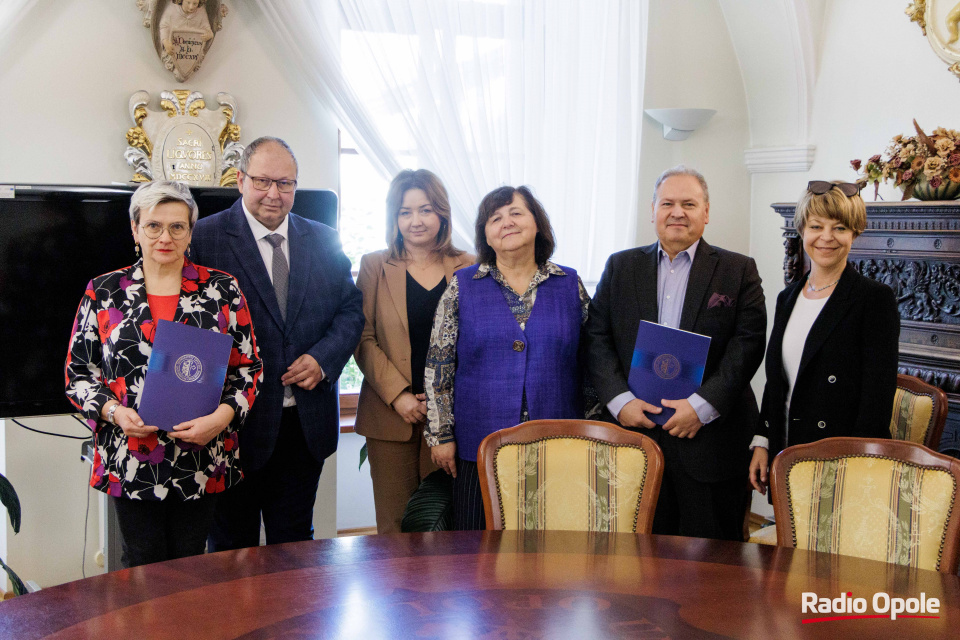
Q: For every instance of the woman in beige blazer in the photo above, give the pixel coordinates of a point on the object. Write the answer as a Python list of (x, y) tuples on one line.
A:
[(401, 287)]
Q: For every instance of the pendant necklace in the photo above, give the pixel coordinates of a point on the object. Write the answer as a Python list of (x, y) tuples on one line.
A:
[(814, 289)]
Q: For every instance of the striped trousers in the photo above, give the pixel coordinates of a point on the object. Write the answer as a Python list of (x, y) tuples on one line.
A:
[(467, 500)]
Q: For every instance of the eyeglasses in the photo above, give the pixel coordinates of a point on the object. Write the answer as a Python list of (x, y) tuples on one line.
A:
[(820, 187), (177, 230), (263, 184)]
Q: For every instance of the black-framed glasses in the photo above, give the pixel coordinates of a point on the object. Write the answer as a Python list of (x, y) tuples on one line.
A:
[(820, 187), (177, 230), (263, 184)]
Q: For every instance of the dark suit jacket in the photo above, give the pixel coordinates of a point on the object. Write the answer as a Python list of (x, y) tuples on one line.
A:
[(324, 319), (627, 294), (848, 370)]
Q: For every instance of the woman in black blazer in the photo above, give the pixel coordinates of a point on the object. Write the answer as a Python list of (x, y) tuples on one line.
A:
[(832, 357)]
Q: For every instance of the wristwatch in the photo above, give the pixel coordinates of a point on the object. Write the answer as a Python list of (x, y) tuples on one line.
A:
[(112, 410)]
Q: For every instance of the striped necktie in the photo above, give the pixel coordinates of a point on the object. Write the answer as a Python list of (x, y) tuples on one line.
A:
[(281, 272)]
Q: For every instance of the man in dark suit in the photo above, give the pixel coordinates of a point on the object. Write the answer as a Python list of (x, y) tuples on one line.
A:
[(307, 318), (683, 282)]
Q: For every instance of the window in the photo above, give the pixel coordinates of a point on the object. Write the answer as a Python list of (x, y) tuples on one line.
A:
[(363, 193)]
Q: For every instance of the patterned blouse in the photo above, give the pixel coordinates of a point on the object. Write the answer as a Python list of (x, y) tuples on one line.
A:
[(107, 360), (438, 376)]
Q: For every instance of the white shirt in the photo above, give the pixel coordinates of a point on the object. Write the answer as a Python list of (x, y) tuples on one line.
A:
[(260, 234), (804, 314)]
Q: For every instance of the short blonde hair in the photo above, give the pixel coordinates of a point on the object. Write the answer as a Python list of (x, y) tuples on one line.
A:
[(150, 194), (436, 193), (832, 205)]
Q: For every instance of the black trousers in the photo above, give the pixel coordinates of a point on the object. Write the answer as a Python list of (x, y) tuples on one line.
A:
[(688, 507), (157, 530), (282, 494), (467, 499)]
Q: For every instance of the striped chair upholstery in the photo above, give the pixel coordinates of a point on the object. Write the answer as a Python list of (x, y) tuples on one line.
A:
[(569, 475), (886, 500), (919, 412)]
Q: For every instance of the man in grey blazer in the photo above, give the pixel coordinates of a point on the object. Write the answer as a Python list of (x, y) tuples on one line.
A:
[(683, 282), (307, 318)]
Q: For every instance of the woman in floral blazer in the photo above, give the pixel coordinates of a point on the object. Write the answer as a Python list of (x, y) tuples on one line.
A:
[(163, 484)]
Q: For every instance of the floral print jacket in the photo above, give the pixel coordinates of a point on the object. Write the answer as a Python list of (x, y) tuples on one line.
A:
[(109, 350)]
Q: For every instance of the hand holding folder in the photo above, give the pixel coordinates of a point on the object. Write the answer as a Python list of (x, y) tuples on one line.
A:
[(667, 364), (185, 376)]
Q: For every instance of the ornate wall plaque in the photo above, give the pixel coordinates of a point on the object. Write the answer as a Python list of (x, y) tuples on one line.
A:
[(189, 144), (940, 22), (183, 31)]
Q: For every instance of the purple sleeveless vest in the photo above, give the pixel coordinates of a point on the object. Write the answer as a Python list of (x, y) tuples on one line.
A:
[(496, 360)]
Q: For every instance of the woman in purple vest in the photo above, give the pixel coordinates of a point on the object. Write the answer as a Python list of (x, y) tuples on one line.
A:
[(504, 344)]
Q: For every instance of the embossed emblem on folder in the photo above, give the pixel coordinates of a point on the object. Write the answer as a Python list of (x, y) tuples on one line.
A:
[(188, 368), (666, 366)]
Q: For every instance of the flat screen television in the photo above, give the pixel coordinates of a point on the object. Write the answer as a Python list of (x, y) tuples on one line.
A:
[(53, 240)]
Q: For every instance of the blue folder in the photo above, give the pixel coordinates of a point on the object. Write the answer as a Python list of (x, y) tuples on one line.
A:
[(185, 375), (667, 364)]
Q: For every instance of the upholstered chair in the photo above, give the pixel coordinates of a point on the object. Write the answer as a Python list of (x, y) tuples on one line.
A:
[(571, 475), (886, 500), (919, 412)]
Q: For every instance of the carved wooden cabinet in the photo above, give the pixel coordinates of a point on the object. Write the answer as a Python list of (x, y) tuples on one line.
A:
[(914, 247)]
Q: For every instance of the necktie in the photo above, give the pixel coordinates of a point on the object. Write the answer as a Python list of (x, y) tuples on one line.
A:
[(281, 279), (281, 272)]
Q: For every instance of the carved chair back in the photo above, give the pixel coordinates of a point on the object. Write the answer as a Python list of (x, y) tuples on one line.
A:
[(887, 500), (571, 475)]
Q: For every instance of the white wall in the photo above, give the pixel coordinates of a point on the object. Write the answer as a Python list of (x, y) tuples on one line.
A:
[(897, 77), (68, 71), (691, 63)]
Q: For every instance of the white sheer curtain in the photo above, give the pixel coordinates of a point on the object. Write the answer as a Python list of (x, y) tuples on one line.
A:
[(11, 12), (486, 93)]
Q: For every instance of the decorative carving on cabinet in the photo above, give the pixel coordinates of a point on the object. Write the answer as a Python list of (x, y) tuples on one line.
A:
[(926, 291)]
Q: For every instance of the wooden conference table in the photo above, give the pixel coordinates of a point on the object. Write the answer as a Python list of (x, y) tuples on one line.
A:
[(508, 585)]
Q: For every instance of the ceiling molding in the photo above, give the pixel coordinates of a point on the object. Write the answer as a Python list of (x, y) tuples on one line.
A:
[(779, 159)]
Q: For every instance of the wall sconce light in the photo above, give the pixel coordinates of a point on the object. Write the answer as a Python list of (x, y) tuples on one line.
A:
[(678, 124)]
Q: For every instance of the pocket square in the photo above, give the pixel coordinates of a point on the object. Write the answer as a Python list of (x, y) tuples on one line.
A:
[(719, 300)]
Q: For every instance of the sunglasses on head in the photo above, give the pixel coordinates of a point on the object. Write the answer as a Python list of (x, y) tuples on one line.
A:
[(820, 187)]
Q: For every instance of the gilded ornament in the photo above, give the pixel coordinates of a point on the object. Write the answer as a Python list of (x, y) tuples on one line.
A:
[(229, 178), (939, 20), (915, 11), (192, 144)]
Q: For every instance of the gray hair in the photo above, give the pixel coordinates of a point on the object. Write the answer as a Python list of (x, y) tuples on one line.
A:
[(150, 194), (251, 149), (682, 170)]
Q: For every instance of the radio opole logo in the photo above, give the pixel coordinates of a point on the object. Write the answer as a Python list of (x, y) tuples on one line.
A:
[(882, 605)]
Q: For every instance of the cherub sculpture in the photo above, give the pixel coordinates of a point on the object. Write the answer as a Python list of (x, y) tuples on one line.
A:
[(183, 15)]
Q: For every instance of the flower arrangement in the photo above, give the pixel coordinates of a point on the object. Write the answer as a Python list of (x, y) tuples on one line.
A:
[(925, 167)]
